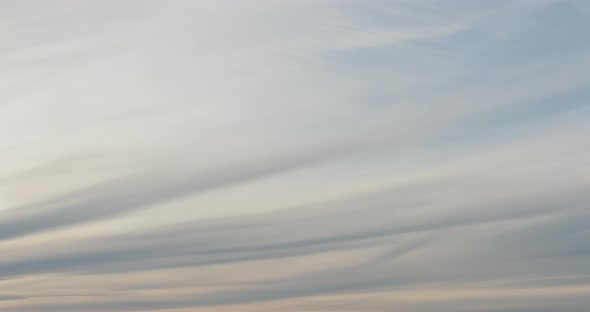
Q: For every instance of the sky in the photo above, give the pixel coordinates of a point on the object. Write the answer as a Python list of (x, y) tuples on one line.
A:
[(294, 155)]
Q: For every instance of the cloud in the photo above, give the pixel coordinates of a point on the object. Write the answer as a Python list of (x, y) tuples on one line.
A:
[(294, 155)]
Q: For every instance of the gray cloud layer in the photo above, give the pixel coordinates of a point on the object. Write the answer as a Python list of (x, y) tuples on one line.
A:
[(294, 156)]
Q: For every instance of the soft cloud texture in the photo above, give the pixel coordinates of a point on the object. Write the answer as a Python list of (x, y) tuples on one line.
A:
[(297, 155)]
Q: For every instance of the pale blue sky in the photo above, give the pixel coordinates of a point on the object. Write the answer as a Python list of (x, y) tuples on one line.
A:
[(294, 155)]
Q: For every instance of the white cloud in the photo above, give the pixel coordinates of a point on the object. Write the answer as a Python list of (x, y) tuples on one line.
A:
[(316, 155)]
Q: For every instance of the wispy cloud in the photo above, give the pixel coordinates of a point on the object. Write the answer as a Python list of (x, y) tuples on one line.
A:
[(294, 155)]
